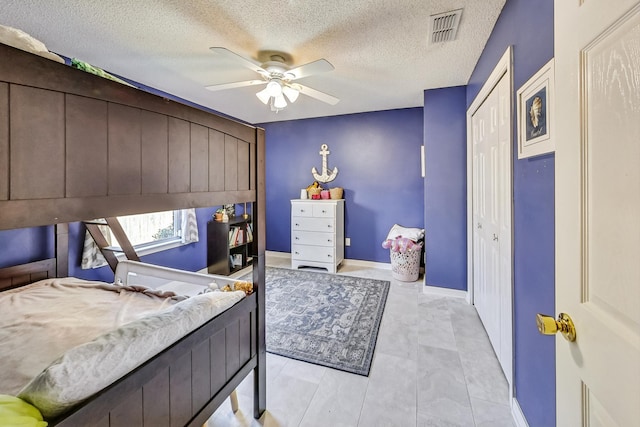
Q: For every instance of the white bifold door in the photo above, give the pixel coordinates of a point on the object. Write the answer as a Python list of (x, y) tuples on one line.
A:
[(491, 213)]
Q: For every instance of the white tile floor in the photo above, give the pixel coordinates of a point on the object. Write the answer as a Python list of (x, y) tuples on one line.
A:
[(433, 366)]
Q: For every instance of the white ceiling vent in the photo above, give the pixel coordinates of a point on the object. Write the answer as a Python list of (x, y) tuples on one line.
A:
[(443, 27)]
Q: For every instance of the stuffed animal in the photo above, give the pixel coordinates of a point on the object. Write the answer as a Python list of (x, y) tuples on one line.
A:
[(247, 287), (401, 244)]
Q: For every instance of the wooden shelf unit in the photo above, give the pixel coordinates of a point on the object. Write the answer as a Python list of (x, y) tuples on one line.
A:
[(225, 256)]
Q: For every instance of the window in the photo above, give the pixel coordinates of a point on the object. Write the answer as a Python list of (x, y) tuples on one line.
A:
[(152, 229)]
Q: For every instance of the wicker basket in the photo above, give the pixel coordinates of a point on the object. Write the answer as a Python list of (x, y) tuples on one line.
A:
[(336, 193), (405, 266)]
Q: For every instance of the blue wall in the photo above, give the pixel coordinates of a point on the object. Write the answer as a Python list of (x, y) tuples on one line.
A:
[(445, 187), (528, 26), (378, 160)]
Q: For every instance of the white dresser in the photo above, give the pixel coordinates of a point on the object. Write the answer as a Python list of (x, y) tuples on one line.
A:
[(317, 233)]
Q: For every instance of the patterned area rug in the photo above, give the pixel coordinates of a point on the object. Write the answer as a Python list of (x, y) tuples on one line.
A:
[(326, 319)]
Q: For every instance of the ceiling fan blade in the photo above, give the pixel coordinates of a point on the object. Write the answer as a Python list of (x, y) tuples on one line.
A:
[(321, 96), (244, 61), (315, 67), (234, 85)]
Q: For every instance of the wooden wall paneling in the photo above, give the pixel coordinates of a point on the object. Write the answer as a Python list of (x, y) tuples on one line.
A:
[(86, 147), (179, 157), (37, 143), (199, 158), (154, 152), (243, 165), (4, 141), (180, 390), (216, 160), (233, 347), (201, 375), (217, 345), (124, 150), (156, 401), (129, 412), (230, 163)]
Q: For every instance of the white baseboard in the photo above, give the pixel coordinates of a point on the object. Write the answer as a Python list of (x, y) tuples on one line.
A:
[(445, 292), (353, 262), (516, 412)]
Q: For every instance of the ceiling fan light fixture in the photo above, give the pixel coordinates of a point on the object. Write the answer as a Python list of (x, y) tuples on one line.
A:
[(279, 102), (291, 93), (274, 88), (264, 96)]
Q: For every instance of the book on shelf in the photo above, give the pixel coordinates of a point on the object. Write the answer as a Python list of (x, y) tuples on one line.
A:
[(235, 236)]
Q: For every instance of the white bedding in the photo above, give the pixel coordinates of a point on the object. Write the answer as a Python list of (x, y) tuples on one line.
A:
[(102, 342)]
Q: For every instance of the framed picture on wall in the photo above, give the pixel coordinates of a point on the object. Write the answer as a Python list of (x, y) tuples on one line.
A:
[(535, 114)]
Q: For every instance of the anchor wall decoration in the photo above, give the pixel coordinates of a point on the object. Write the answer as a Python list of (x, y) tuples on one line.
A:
[(325, 176)]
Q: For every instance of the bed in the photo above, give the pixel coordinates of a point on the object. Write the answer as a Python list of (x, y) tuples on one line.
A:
[(104, 149)]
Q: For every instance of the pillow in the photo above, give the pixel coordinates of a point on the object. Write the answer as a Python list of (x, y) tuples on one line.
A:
[(88, 368), (15, 412), (23, 41), (414, 234)]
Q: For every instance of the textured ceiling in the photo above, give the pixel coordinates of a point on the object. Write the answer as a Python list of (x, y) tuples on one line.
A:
[(378, 47)]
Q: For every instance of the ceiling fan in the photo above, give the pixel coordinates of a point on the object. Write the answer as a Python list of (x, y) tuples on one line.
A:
[(279, 77)]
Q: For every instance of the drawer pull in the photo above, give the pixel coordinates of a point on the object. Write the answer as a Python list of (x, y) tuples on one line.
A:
[(297, 253), (297, 225), (329, 225), (301, 210), (297, 238), (329, 256), (323, 211)]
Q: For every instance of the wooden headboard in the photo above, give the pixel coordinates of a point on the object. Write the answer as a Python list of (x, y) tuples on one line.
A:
[(13, 277), (75, 146)]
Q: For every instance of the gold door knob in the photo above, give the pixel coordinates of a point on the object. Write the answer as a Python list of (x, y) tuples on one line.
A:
[(547, 325)]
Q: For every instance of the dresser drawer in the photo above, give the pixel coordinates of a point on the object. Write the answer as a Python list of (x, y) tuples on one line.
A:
[(312, 238), (323, 210), (312, 253), (313, 224), (302, 209)]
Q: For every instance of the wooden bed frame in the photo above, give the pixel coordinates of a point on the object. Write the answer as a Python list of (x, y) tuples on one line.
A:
[(114, 150)]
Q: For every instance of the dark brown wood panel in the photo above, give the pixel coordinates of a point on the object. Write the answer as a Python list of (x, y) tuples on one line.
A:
[(218, 366), (86, 150), (230, 163), (4, 141), (129, 412), (156, 401), (199, 158), (103, 422), (37, 168), (216, 160), (252, 166), (31, 70), (200, 375), (245, 340), (30, 213), (243, 165), (155, 152), (233, 347), (179, 157), (124, 150), (180, 386)]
